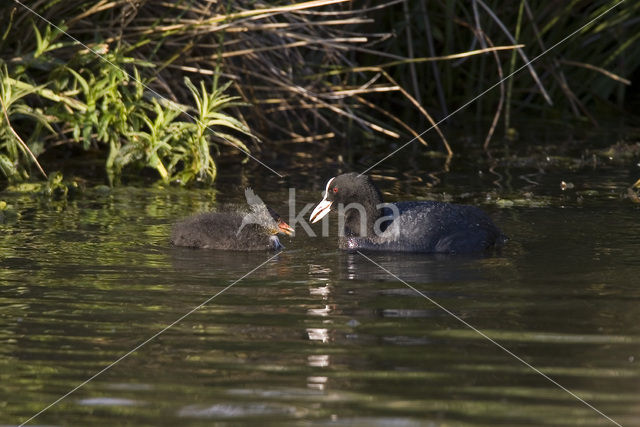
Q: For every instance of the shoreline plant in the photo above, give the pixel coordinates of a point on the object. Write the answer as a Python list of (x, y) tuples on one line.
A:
[(310, 72)]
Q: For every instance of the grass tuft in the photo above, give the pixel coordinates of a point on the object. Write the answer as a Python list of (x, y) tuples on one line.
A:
[(165, 85)]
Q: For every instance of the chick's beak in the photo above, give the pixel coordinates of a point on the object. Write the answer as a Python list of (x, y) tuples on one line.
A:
[(320, 211), (285, 228)]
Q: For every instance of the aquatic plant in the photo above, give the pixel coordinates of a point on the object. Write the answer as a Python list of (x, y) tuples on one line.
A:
[(101, 104), (320, 71), (13, 149), (97, 98), (577, 77)]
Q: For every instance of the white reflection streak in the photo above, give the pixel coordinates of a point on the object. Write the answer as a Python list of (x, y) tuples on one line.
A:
[(323, 291), (503, 348), (132, 77), (494, 86), (318, 360), (112, 364), (316, 383), (318, 334), (324, 312)]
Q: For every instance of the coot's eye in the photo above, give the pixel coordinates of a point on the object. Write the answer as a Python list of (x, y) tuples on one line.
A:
[(335, 189)]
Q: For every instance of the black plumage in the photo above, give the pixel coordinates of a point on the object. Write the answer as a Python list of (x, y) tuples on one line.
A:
[(416, 226), (218, 230), (254, 230)]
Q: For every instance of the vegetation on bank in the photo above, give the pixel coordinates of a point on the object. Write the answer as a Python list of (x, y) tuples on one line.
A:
[(165, 85)]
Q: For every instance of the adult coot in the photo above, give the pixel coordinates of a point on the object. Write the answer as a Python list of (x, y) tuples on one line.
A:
[(250, 231), (428, 227)]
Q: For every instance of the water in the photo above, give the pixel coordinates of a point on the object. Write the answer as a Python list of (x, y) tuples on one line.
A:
[(316, 336)]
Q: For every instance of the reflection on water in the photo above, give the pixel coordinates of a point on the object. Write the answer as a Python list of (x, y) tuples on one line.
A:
[(235, 410), (108, 401), (422, 268), (315, 334)]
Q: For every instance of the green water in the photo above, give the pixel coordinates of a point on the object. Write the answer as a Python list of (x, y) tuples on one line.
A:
[(317, 336)]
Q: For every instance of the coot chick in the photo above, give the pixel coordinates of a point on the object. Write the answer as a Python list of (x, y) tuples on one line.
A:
[(427, 227), (235, 231)]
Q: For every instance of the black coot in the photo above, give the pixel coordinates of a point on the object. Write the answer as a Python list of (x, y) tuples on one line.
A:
[(428, 227), (236, 231)]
